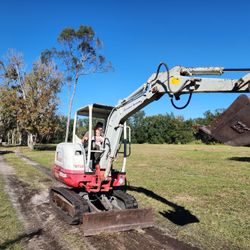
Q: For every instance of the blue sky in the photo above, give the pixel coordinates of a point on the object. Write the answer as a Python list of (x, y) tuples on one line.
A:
[(137, 36)]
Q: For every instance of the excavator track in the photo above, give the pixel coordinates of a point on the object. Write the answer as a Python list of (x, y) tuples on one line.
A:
[(128, 200), (74, 209), (68, 205)]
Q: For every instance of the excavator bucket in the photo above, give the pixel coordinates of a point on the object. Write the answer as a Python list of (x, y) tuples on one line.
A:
[(116, 221), (232, 127)]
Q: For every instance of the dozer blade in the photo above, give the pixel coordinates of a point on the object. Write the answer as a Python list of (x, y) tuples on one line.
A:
[(116, 220), (232, 127)]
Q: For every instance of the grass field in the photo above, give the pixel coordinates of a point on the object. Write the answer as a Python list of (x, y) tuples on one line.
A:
[(209, 184), (27, 173), (10, 226), (200, 193)]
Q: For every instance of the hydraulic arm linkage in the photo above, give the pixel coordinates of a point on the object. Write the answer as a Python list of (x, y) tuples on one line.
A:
[(174, 82)]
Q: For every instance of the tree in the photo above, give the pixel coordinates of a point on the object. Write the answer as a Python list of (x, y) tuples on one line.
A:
[(13, 73), (135, 122), (30, 98), (8, 112), (12, 88), (79, 53), (161, 129), (37, 113)]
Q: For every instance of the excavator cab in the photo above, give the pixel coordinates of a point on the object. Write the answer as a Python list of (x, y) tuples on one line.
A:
[(85, 121), (99, 204)]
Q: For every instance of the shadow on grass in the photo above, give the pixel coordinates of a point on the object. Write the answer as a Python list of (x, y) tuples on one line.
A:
[(243, 159), (26, 236), (6, 152), (179, 215), (43, 147)]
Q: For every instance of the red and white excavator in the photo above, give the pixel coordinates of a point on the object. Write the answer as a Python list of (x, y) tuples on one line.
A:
[(95, 195)]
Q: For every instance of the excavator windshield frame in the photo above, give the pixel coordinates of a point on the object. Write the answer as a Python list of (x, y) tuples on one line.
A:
[(98, 111)]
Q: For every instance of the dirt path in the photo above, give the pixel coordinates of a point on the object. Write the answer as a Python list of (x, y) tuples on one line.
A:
[(31, 206), (49, 232), (147, 239)]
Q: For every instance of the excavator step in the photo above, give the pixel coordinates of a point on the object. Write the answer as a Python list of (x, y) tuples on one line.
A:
[(232, 127), (116, 221)]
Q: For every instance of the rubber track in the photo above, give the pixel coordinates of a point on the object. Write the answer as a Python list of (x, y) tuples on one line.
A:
[(129, 200), (79, 204)]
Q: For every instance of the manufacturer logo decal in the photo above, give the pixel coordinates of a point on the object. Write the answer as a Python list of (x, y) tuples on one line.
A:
[(240, 127)]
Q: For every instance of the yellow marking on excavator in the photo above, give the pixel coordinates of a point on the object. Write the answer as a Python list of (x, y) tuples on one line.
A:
[(175, 80)]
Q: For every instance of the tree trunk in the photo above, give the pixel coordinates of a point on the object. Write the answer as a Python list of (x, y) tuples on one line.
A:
[(24, 139), (70, 110), (13, 135), (8, 138), (68, 121), (20, 139), (30, 141)]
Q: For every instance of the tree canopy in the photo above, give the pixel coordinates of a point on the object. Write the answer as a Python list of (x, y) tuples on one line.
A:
[(161, 129), (29, 99)]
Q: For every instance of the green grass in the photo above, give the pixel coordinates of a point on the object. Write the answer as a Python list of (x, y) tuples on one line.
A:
[(211, 182), (27, 173), (44, 157), (10, 226), (184, 183)]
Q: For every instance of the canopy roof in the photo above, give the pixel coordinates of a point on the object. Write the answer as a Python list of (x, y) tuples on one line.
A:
[(98, 110)]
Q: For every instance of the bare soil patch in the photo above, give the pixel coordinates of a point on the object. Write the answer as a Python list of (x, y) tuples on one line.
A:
[(147, 239)]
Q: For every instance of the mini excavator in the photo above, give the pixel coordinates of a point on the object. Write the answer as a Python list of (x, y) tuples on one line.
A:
[(94, 194)]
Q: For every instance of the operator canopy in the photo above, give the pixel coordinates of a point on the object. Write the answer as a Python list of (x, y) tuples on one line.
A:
[(98, 110)]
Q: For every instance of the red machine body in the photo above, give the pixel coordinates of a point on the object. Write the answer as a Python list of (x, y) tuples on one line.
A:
[(91, 182)]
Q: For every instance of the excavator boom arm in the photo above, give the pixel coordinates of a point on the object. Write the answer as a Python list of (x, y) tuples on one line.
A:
[(181, 80), (175, 82)]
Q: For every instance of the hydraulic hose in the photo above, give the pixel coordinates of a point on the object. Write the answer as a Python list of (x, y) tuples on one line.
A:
[(170, 92)]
